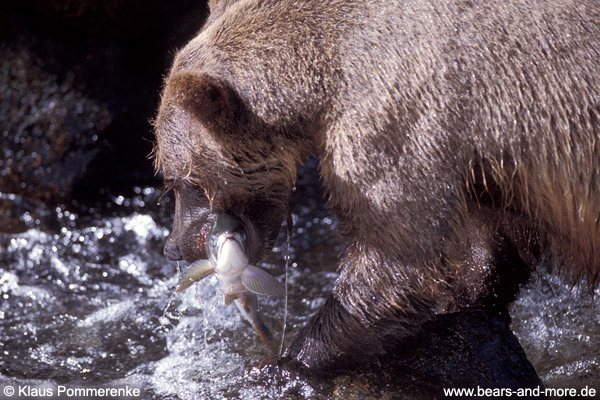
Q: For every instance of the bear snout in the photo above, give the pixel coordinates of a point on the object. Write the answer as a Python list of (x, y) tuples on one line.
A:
[(187, 241)]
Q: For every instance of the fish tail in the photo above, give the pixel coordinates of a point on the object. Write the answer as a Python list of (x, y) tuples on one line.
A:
[(264, 333), (249, 307)]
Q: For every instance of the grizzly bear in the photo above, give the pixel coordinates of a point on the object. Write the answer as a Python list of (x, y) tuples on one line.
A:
[(459, 144)]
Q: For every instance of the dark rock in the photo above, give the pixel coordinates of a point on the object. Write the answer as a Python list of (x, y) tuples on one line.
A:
[(79, 84), (49, 128), (463, 350)]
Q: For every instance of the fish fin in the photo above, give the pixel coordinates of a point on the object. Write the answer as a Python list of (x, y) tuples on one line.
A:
[(230, 297), (197, 271), (259, 281)]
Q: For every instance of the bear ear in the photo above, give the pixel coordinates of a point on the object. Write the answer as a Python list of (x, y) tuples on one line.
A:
[(213, 102)]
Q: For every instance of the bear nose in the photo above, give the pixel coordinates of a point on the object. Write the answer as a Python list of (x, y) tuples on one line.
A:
[(172, 250)]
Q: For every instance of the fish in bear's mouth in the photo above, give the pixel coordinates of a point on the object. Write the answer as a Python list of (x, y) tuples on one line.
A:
[(226, 246), (253, 244)]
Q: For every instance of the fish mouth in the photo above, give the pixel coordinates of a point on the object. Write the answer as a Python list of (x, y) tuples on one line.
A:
[(237, 237), (202, 243), (229, 227)]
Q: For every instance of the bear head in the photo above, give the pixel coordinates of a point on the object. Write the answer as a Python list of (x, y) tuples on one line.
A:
[(228, 142)]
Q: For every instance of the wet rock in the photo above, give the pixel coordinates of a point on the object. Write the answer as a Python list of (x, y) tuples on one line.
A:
[(49, 129)]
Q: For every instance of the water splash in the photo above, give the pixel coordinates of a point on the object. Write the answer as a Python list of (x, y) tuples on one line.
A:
[(167, 316), (288, 244)]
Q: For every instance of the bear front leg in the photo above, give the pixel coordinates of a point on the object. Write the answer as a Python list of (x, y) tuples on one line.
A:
[(364, 318), (379, 301)]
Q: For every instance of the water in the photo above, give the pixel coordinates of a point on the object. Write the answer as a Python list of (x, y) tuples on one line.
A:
[(559, 327), (87, 298)]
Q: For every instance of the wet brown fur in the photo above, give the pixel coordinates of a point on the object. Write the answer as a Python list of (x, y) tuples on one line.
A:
[(459, 143)]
